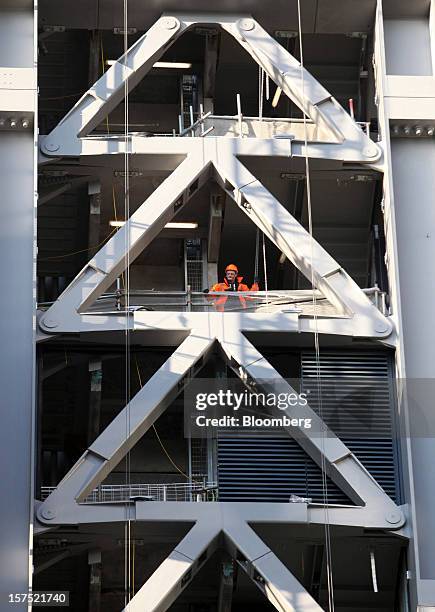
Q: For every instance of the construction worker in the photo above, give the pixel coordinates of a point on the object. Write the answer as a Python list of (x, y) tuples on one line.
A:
[(232, 282)]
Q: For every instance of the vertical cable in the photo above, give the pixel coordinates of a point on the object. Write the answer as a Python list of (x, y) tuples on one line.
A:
[(316, 333), (127, 527), (260, 92), (265, 271)]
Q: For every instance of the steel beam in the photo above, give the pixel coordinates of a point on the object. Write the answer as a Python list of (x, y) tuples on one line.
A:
[(343, 139), (178, 570), (18, 180), (128, 426), (263, 209), (322, 446), (112, 444), (300, 247), (267, 572)]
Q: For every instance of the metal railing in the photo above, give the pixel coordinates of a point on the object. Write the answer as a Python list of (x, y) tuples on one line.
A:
[(171, 492), (249, 301)]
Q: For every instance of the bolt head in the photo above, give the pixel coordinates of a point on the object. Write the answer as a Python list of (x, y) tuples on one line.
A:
[(246, 24), (393, 517), (370, 152), (50, 323), (48, 514), (169, 23), (380, 328), (51, 146)]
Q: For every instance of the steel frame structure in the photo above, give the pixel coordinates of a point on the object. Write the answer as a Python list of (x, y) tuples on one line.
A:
[(335, 136)]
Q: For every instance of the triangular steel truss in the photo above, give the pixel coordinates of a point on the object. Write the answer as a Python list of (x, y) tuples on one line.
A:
[(333, 134), (162, 388), (219, 157), (219, 527)]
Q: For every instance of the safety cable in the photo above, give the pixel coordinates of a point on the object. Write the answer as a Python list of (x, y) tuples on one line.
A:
[(257, 254), (164, 449), (115, 212), (156, 432), (260, 92), (329, 573), (127, 527), (81, 250), (266, 284), (103, 70)]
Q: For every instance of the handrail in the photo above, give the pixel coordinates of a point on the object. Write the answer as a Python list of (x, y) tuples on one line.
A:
[(175, 491)]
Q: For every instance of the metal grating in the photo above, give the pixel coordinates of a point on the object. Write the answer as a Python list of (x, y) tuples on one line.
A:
[(254, 466), (358, 405), (194, 264)]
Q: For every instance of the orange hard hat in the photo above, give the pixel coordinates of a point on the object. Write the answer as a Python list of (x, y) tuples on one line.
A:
[(232, 267)]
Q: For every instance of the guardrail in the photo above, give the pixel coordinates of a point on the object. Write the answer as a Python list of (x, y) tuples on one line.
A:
[(176, 491), (247, 301)]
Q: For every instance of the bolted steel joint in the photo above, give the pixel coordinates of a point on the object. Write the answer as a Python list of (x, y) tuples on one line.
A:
[(51, 147), (395, 517), (49, 323), (370, 152), (48, 514), (246, 24), (169, 23)]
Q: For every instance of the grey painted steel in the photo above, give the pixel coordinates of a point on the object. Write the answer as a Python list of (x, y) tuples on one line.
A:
[(115, 441), (221, 527), (413, 164), (346, 139), (270, 575), (357, 316), (186, 512), (178, 569), (340, 464), (17, 326), (405, 90), (355, 309), (127, 428)]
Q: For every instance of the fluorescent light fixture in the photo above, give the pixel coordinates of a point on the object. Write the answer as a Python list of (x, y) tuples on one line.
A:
[(176, 65), (173, 225), (181, 225), (172, 65)]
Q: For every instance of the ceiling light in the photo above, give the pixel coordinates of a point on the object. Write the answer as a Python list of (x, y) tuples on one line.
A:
[(176, 65), (173, 225), (430, 131), (181, 225), (172, 65)]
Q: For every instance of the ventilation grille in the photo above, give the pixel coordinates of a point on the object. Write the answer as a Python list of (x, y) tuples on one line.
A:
[(255, 466), (259, 468), (358, 405), (194, 264)]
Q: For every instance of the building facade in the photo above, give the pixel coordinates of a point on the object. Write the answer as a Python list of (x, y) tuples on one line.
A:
[(144, 147)]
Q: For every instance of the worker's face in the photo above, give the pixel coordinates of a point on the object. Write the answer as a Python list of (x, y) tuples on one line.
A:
[(231, 275)]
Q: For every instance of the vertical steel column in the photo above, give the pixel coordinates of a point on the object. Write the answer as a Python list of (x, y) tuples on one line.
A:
[(18, 293), (406, 92)]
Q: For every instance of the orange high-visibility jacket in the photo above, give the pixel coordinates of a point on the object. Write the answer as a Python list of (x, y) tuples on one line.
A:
[(225, 286)]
